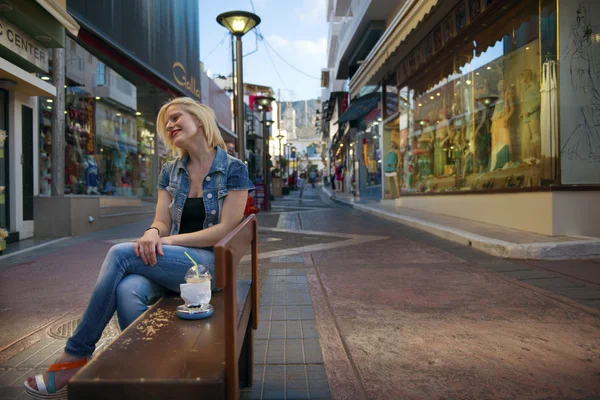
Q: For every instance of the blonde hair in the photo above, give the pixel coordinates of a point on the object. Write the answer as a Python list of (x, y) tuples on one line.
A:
[(203, 113)]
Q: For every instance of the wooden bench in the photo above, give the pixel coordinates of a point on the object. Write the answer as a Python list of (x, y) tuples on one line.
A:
[(160, 356)]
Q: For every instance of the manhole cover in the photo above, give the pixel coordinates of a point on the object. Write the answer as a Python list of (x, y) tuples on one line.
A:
[(65, 330)]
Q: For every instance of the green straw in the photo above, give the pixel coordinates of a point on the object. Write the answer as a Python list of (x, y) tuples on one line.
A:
[(185, 252)]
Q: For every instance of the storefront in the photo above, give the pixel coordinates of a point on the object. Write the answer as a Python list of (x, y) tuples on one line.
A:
[(28, 30), (477, 112), (115, 82)]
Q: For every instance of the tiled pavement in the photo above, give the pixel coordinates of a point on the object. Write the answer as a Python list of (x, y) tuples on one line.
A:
[(287, 353)]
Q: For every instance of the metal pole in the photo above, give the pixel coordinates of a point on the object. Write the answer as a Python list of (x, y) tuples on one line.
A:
[(288, 163), (240, 101), (280, 155), (235, 124), (58, 124)]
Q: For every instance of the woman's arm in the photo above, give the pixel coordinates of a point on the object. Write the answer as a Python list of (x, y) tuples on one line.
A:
[(149, 244), (162, 218), (231, 215)]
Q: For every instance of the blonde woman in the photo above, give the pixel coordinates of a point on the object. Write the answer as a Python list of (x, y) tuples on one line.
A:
[(202, 194)]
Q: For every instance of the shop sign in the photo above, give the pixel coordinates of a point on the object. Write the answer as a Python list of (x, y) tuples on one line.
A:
[(180, 76), (23, 45)]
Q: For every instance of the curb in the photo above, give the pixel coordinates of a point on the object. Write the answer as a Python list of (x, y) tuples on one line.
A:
[(579, 249)]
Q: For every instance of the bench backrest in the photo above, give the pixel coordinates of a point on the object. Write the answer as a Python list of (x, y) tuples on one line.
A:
[(228, 253)]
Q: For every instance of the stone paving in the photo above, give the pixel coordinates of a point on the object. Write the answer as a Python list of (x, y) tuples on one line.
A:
[(357, 307)]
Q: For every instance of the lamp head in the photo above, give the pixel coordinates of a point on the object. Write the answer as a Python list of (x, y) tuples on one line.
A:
[(280, 136), (263, 101), (269, 122), (238, 22)]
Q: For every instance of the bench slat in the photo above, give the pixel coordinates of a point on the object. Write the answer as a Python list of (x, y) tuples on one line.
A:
[(161, 355)]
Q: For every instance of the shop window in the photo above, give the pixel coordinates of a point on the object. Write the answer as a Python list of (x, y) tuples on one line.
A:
[(476, 124)]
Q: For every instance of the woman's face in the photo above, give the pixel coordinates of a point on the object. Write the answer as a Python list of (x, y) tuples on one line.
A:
[(181, 126)]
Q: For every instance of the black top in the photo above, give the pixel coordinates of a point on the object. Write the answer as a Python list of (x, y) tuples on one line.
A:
[(192, 216)]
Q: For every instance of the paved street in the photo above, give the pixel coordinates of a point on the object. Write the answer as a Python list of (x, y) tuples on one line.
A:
[(352, 307)]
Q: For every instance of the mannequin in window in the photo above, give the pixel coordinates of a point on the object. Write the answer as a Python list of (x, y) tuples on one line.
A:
[(119, 154), (530, 116), (392, 165), (443, 135), (482, 137), (501, 127), (91, 174)]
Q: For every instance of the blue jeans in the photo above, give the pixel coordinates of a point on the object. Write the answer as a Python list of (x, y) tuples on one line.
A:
[(127, 285)]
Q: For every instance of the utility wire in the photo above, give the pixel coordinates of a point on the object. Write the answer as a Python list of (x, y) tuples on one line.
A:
[(285, 61), (215, 48), (267, 46)]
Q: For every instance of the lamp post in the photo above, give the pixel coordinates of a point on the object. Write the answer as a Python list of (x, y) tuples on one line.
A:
[(263, 102), (280, 136), (239, 23)]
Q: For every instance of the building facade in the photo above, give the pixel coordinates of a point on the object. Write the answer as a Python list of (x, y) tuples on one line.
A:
[(488, 109), (126, 61), (28, 30)]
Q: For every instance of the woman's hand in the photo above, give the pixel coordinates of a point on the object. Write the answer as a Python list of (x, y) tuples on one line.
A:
[(147, 246)]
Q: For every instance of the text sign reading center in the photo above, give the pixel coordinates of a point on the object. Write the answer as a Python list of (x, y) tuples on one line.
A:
[(23, 45)]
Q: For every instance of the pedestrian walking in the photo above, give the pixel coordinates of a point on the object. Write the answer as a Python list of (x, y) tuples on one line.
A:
[(230, 146), (339, 178), (313, 178), (136, 274), (300, 183), (332, 176)]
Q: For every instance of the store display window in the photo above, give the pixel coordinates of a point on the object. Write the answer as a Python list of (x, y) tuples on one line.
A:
[(371, 152), (474, 123)]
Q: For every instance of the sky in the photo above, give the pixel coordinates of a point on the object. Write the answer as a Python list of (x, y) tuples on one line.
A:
[(296, 30)]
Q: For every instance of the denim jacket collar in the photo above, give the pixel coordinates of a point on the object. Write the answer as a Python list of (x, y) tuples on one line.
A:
[(219, 162)]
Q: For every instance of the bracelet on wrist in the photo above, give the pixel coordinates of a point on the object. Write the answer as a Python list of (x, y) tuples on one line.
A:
[(153, 227)]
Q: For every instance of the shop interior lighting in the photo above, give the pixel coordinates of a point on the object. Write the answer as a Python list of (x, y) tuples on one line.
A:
[(489, 68), (379, 119), (431, 97), (468, 81), (420, 104), (527, 48), (118, 114), (138, 113), (45, 78), (438, 94), (97, 97), (49, 100)]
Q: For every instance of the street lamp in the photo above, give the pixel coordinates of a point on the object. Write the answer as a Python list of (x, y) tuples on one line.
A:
[(239, 23), (280, 136), (263, 102)]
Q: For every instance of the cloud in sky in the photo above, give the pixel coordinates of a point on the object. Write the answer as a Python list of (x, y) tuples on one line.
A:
[(312, 11), (278, 42), (300, 47)]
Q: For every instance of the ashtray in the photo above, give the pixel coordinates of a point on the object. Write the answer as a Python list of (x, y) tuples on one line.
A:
[(188, 311)]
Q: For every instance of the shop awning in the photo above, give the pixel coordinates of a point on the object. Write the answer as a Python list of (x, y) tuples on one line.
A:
[(61, 15), (409, 17), (226, 133), (360, 107), (24, 82)]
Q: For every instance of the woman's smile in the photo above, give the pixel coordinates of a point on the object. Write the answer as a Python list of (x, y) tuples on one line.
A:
[(174, 132)]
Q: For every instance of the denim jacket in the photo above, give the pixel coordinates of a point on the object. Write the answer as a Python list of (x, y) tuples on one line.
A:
[(226, 173)]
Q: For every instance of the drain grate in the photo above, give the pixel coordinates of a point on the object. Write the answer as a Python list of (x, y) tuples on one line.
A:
[(65, 330)]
